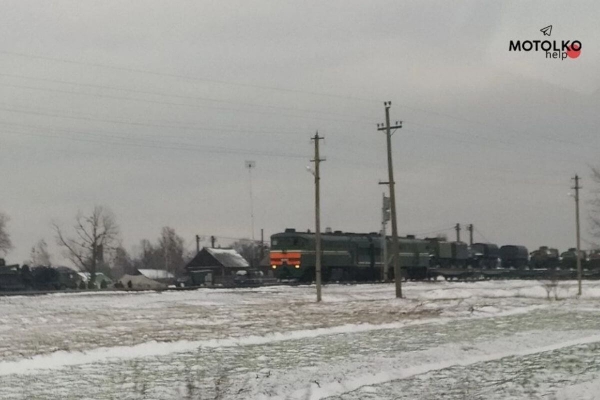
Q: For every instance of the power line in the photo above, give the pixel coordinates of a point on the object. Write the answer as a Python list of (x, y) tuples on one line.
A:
[(163, 144), (107, 96), (154, 93), (510, 145), (184, 77), (201, 149), (291, 90), (481, 234), (440, 230)]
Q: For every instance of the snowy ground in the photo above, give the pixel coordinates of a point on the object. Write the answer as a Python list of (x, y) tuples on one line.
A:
[(483, 340)]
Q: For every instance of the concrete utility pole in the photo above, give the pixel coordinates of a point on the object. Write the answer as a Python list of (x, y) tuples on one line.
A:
[(385, 217), (251, 165), (395, 245), (577, 187), (197, 244), (262, 244), (470, 229), (317, 160), (457, 229), (212, 241)]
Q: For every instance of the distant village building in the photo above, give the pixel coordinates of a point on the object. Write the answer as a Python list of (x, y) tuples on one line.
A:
[(145, 278), (140, 282), (86, 276), (215, 266), (158, 275)]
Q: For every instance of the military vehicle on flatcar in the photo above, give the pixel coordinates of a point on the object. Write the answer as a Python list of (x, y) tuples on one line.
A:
[(443, 254), (593, 262), (513, 256), (344, 256), (544, 258), (568, 259), (484, 255), (11, 277)]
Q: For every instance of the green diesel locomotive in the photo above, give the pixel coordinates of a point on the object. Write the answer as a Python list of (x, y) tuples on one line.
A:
[(344, 256)]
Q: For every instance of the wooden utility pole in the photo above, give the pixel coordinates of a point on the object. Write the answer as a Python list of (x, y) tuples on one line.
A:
[(317, 160), (577, 187), (457, 229), (395, 245), (470, 229)]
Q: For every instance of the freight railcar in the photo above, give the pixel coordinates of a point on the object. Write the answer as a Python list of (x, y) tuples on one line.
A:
[(544, 258), (344, 256), (443, 254), (513, 256), (11, 277), (594, 260), (484, 255), (568, 259)]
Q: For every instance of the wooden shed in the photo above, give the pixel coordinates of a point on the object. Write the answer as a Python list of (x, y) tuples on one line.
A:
[(215, 266)]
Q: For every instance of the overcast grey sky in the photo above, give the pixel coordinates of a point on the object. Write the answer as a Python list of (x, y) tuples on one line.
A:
[(152, 107)]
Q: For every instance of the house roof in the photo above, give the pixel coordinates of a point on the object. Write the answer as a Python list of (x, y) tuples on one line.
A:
[(99, 277), (227, 258), (156, 273), (141, 282)]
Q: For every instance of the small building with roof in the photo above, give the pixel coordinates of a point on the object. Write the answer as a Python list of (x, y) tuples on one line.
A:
[(215, 266), (158, 275), (140, 281)]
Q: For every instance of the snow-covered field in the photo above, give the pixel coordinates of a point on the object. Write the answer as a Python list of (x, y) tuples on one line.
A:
[(483, 340)]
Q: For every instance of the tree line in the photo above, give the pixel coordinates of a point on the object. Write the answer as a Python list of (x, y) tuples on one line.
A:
[(93, 244)]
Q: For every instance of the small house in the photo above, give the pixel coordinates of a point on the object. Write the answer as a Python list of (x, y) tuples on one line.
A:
[(215, 266), (140, 282), (158, 275)]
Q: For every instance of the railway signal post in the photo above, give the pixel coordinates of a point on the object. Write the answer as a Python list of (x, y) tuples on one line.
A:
[(576, 188), (317, 160), (387, 128)]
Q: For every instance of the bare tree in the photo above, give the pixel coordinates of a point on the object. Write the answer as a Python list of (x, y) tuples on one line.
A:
[(122, 263), (148, 256), (171, 248), (252, 251), (5, 242), (40, 254), (167, 254), (94, 235)]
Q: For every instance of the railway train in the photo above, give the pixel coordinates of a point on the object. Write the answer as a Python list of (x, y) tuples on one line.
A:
[(359, 257), (43, 278)]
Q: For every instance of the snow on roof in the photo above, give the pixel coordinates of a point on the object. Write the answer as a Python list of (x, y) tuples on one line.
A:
[(99, 276), (156, 273), (141, 282), (229, 258)]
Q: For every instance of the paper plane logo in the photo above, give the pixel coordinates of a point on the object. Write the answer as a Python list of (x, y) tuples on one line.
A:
[(547, 30)]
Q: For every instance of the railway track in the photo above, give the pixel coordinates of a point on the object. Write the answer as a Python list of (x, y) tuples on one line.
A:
[(442, 274)]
